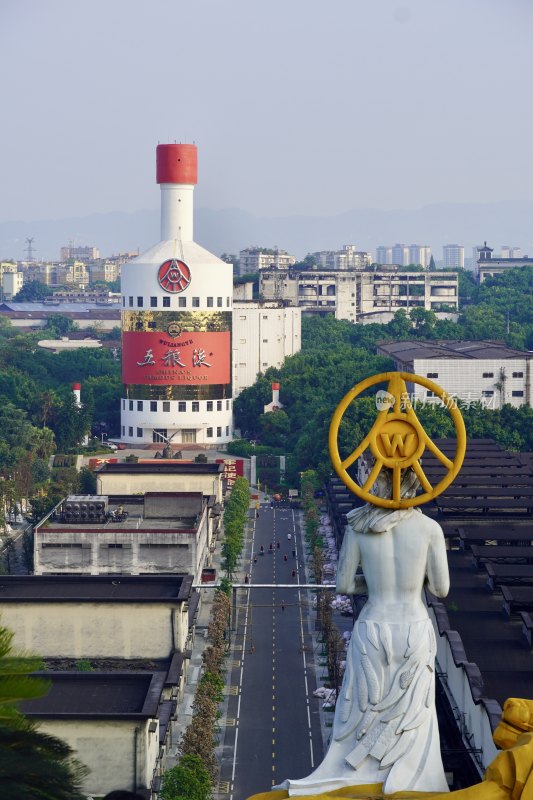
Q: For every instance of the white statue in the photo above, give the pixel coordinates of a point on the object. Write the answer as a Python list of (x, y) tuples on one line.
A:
[(385, 727)]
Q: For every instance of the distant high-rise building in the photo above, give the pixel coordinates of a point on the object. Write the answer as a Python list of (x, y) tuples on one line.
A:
[(252, 259), (383, 254), (475, 256), (510, 252), (347, 258), (79, 253), (400, 255), (12, 283), (453, 256), (420, 254)]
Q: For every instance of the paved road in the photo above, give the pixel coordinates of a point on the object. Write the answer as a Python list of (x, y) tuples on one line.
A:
[(273, 727)]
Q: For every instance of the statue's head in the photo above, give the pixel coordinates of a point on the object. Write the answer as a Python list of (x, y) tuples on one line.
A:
[(382, 486)]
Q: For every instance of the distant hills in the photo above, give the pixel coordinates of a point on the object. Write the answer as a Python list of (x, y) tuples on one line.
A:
[(231, 230)]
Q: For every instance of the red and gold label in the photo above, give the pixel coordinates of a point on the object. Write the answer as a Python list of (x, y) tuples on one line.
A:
[(156, 358)]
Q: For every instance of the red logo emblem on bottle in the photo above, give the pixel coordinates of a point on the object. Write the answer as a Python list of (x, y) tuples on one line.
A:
[(174, 276)]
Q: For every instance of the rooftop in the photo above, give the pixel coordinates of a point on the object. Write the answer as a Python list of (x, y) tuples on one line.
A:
[(153, 512), (162, 466), (100, 695), (92, 588), (48, 308), (409, 350)]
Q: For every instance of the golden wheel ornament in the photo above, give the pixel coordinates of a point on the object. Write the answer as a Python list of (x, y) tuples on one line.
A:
[(397, 440)]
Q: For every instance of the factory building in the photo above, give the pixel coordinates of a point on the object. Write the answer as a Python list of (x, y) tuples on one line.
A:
[(177, 325)]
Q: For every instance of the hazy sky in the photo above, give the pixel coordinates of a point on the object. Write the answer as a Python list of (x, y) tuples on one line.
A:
[(296, 106)]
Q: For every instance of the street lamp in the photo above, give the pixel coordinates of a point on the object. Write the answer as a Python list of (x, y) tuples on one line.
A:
[(102, 435)]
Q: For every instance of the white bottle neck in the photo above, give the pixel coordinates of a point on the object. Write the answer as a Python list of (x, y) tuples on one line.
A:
[(177, 211)]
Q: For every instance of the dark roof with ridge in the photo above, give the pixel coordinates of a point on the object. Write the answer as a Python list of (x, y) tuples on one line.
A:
[(468, 349)]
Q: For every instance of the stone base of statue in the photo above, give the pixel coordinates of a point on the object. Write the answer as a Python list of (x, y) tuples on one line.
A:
[(509, 777)]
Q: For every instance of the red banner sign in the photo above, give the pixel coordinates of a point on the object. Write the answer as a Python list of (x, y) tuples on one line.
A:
[(94, 463), (150, 357), (233, 468)]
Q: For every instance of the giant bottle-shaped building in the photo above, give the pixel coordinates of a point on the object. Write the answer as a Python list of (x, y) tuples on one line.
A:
[(176, 324)]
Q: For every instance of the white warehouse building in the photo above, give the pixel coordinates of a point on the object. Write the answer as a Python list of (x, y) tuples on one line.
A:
[(264, 334), (487, 372)]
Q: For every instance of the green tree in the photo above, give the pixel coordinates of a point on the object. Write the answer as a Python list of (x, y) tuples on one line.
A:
[(468, 287), (60, 325), (69, 423), (33, 765), (275, 428), (424, 321), (33, 290), (180, 783), (483, 322), (432, 265), (87, 481), (400, 327)]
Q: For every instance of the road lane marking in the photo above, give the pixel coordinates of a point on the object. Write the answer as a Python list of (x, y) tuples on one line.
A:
[(235, 754)]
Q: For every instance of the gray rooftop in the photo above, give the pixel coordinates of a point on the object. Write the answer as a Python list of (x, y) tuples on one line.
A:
[(60, 308), (162, 467), (91, 588), (101, 695), (418, 349), (154, 512)]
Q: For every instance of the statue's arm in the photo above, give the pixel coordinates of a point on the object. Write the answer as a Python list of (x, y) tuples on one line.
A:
[(438, 576), (349, 559)]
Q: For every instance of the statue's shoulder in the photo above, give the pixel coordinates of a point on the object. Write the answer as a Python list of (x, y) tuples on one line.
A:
[(428, 524)]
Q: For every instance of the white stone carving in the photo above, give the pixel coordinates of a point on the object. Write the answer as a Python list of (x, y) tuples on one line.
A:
[(385, 727)]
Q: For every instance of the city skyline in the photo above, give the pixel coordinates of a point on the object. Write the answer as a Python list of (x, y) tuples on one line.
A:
[(276, 98)]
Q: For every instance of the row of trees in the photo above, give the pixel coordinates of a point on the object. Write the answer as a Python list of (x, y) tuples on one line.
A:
[(332, 642), (235, 517), (193, 777)]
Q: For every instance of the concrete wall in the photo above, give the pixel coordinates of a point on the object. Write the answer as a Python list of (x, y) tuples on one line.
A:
[(107, 748), (73, 550), (97, 630), (347, 293), (111, 483), (159, 505)]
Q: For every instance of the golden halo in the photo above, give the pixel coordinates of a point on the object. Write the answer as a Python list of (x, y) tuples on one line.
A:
[(397, 440)]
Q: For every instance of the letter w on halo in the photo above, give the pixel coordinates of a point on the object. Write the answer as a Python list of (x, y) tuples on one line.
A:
[(399, 443)]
